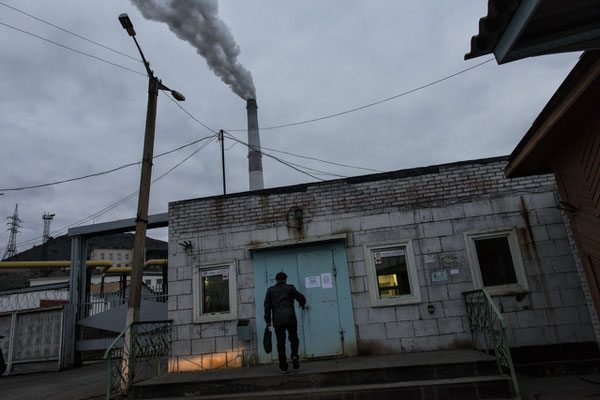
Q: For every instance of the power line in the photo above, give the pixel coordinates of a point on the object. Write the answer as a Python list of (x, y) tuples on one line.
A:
[(191, 116), (69, 32), (316, 159), (104, 172), (352, 110), (121, 201), (284, 162), (73, 50)]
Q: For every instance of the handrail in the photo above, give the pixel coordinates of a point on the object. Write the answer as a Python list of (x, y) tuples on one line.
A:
[(146, 346), (110, 348), (108, 358), (485, 318)]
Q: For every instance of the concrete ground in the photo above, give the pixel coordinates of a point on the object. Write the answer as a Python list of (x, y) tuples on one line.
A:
[(88, 382), (570, 387), (82, 383)]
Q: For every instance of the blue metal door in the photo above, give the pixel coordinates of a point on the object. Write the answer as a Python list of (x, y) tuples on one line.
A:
[(320, 272)]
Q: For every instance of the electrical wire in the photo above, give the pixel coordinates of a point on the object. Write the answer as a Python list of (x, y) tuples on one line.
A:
[(104, 172), (118, 202), (352, 110), (190, 115), (73, 50), (284, 162), (69, 32), (313, 158)]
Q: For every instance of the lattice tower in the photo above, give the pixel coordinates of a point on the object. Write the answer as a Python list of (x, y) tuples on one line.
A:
[(13, 228), (47, 217)]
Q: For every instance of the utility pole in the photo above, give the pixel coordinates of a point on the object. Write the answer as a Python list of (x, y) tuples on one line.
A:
[(141, 221), (11, 247), (222, 139)]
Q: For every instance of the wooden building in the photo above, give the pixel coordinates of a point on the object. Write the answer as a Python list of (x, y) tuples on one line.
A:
[(565, 140)]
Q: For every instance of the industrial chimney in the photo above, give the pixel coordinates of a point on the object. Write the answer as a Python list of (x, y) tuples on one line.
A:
[(254, 154)]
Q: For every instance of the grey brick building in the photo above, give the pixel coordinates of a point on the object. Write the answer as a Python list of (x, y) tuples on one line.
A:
[(383, 259)]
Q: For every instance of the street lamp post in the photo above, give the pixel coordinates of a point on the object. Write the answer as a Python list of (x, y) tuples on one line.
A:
[(141, 222)]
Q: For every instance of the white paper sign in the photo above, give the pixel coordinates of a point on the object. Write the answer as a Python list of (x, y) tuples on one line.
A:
[(312, 281), (326, 281), (454, 272), (213, 272), (389, 253)]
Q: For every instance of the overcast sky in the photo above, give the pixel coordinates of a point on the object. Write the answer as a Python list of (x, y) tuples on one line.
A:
[(65, 115)]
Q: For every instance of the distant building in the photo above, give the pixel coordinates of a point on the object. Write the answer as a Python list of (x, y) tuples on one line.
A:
[(119, 257), (118, 245)]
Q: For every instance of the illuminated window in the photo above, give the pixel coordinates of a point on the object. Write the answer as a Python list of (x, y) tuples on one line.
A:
[(496, 262), (392, 274), (215, 297)]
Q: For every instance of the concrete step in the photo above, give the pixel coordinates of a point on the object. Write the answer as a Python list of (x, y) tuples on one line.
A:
[(431, 373), (483, 387)]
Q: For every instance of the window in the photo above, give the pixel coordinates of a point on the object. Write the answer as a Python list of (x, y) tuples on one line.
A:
[(118, 265), (148, 282), (215, 294), (119, 256), (110, 256), (102, 256), (496, 261), (392, 274), (126, 256)]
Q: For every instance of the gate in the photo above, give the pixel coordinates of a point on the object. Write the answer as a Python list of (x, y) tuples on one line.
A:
[(102, 318)]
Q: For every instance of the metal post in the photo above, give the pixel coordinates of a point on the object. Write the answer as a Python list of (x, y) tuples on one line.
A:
[(141, 223), (222, 139)]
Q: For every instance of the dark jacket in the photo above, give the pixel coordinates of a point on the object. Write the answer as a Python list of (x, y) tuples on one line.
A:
[(280, 300)]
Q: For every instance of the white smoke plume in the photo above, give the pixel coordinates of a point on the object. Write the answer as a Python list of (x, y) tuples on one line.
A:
[(198, 22)]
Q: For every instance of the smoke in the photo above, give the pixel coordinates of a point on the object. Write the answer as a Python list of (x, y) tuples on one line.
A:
[(198, 22)]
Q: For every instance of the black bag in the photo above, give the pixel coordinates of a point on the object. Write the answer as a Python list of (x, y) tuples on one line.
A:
[(267, 341)]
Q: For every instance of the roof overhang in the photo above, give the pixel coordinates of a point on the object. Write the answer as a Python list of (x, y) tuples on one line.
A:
[(119, 226), (516, 29), (575, 100)]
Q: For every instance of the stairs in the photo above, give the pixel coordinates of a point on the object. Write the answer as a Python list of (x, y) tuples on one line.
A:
[(454, 374)]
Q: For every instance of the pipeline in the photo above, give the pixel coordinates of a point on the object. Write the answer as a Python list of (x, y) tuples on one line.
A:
[(105, 265)]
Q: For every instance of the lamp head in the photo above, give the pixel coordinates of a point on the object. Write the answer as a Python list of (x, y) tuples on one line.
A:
[(178, 96), (126, 24)]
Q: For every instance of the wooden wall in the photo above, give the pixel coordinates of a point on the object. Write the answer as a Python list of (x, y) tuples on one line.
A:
[(577, 168)]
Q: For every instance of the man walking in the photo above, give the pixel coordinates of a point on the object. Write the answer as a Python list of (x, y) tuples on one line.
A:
[(279, 300)]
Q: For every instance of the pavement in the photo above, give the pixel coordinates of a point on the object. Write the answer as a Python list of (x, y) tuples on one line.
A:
[(88, 383), (81, 383), (571, 387)]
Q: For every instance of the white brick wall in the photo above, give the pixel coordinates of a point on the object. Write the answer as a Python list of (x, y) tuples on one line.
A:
[(433, 206)]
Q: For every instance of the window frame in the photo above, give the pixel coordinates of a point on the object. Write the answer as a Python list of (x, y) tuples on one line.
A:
[(522, 285), (197, 292), (411, 266)]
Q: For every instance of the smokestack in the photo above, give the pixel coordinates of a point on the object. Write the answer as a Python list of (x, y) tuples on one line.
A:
[(254, 155)]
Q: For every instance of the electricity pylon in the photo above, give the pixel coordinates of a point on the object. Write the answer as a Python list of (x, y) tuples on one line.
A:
[(11, 248)]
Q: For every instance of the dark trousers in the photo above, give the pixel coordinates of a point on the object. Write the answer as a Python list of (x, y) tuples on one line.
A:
[(292, 330)]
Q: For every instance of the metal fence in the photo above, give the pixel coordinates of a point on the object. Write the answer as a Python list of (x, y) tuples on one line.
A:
[(100, 302), (147, 355), (489, 330), (33, 297), (32, 339)]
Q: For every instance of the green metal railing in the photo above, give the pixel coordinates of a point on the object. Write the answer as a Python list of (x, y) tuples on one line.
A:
[(147, 355), (489, 330)]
